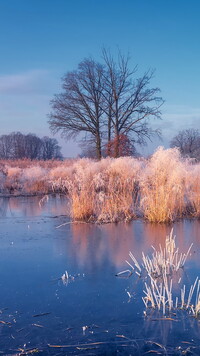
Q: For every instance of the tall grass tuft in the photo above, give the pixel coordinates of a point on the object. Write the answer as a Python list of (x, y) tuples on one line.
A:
[(162, 186), (119, 191), (192, 188)]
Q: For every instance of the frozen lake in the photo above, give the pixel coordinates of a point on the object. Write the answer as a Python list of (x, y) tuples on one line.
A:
[(91, 314)]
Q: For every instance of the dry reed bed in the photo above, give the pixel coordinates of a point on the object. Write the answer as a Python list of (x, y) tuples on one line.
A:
[(162, 188)]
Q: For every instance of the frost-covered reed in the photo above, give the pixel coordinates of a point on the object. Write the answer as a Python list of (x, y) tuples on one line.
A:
[(187, 302), (163, 188), (158, 272), (164, 299), (159, 296), (163, 262)]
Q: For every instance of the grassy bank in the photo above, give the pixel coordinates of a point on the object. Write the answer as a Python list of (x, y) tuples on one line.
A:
[(161, 189)]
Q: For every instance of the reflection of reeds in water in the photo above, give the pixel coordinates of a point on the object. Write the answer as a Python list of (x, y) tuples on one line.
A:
[(168, 328), (163, 262), (161, 268)]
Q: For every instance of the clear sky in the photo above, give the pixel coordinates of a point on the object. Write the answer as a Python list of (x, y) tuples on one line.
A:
[(40, 40)]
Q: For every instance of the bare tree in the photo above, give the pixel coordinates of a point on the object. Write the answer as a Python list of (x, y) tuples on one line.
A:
[(25, 146), (130, 103), (50, 148), (5, 147), (79, 107), (33, 146), (18, 146), (105, 101), (188, 141)]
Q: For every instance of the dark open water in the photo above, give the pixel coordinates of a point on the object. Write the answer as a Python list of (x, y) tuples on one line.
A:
[(92, 314)]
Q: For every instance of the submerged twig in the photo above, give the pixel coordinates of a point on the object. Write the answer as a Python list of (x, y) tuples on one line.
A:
[(71, 222), (42, 314)]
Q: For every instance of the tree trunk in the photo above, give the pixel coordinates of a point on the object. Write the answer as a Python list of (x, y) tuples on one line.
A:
[(116, 144), (116, 140), (109, 135), (98, 147)]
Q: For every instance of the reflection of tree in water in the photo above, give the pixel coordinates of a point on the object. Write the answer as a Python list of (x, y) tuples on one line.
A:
[(25, 206), (94, 246), (16, 206), (30, 206), (4, 206), (88, 246)]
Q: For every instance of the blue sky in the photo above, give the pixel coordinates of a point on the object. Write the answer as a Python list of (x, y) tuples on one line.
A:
[(40, 40)]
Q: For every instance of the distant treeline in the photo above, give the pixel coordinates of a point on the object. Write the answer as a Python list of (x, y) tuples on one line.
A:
[(19, 146)]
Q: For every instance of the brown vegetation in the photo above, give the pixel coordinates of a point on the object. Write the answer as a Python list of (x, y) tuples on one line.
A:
[(161, 189)]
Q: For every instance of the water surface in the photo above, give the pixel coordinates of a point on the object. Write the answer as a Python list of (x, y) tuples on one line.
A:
[(91, 314)]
